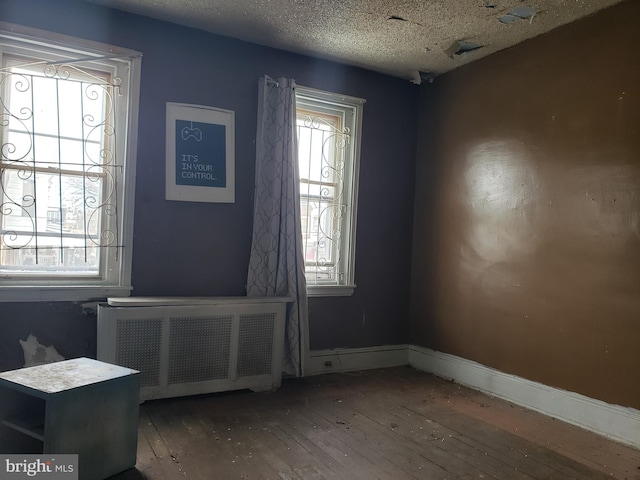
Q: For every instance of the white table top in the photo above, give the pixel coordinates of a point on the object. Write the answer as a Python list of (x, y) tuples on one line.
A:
[(66, 375)]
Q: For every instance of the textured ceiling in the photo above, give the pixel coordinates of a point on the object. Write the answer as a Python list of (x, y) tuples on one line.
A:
[(396, 37)]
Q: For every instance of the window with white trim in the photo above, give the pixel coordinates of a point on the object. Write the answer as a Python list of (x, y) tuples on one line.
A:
[(328, 133), (68, 120)]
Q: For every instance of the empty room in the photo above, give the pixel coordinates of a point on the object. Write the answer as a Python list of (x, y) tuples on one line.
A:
[(320, 239)]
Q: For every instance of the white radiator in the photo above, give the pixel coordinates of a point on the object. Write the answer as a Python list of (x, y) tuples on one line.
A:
[(192, 345)]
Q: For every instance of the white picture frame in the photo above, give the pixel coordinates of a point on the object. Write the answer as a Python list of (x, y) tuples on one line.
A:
[(200, 153)]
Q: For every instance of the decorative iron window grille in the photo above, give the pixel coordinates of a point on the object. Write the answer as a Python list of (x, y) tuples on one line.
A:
[(65, 115), (58, 169), (328, 128)]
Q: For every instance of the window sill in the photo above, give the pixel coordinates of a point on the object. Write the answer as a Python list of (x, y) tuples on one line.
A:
[(330, 290), (60, 294)]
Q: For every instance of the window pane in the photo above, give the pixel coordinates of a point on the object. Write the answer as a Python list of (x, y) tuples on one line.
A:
[(45, 151), (304, 151), (317, 151), (73, 259), (71, 154), (57, 222), (51, 152), (97, 119), (72, 113), (18, 93), (38, 202), (45, 106), (321, 230)]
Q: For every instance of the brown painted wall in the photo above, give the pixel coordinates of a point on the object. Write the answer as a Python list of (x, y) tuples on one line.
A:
[(183, 248), (527, 217)]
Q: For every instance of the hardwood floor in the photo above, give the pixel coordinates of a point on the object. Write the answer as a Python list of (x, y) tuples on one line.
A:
[(395, 423)]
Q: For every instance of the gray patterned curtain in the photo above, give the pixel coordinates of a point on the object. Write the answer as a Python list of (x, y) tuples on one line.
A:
[(276, 266)]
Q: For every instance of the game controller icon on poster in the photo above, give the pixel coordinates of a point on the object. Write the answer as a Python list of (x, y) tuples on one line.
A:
[(191, 132)]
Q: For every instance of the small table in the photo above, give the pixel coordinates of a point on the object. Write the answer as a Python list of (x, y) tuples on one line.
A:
[(80, 406)]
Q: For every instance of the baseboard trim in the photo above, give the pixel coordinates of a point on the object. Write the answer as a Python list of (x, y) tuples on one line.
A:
[(350, 359), (618, 423)]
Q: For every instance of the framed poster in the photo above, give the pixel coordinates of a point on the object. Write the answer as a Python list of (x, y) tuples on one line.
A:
[(200, 154)]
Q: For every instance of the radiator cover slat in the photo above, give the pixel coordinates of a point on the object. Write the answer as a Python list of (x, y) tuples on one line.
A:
[(199, 349), (255, 338)]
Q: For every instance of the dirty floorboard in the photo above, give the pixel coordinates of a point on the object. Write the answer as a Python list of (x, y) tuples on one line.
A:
[(395, 423)]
